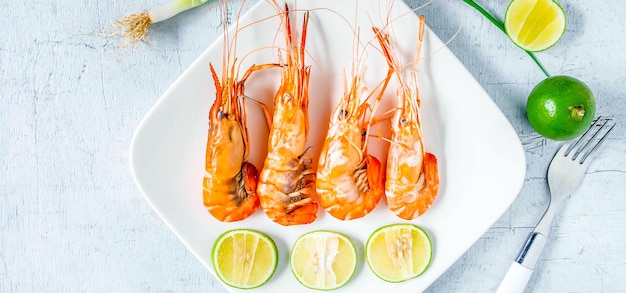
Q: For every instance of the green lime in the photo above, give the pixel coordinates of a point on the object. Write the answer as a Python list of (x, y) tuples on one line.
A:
[(534, 25), (244, 258), (398, 252), (323, 260), (561, 107)]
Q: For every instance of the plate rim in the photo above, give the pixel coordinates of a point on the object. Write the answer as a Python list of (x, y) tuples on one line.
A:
[(142, 125)]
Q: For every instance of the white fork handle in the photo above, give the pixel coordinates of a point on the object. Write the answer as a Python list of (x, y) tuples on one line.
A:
[(515, 279), (519, 273)]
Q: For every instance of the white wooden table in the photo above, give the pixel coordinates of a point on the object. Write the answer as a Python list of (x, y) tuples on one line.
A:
[(72, 220)]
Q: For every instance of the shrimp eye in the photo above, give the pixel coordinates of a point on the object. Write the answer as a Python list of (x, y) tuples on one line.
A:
[(220, 114), (403, 120), (343, 113), (287, 97)]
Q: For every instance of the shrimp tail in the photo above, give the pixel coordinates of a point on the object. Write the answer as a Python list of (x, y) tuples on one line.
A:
[(228, 206), (375, 184), (427, 194), (376, 178), (307, 213), (250, 179)]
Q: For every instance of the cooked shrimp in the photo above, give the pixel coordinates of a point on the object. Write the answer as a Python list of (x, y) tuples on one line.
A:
[(412, 179), (230, 181), (287, 179), (350, 182)]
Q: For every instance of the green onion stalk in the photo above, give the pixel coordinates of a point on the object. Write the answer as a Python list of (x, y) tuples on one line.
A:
[(135, 26), (500, 25)]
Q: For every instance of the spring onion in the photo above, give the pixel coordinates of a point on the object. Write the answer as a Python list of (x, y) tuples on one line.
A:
[(500, 25), (135, 26)]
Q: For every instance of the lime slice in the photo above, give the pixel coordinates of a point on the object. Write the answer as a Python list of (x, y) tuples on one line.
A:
[(323, 260), (398, 252), (244, 258), (534, 25)]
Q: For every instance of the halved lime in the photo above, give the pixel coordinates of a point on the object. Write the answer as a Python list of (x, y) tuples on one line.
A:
[(398, 252), (244, 258), (534, 25), (323, 260)]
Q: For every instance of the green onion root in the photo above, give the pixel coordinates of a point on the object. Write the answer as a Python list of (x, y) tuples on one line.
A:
[(135, 26)]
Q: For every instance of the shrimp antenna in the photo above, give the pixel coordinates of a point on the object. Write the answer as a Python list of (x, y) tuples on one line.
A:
[(225, 46), (233, 45), (420, 40), (446, 43)]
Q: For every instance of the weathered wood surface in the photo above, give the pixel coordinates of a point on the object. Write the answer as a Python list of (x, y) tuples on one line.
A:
[(72, 220)]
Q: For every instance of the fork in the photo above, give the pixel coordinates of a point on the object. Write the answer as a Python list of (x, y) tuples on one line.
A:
[(565, 175)]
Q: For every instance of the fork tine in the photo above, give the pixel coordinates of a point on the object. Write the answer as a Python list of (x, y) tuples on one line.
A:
[(593, 130), (564, 149), (582, 138), (595, 147), (585, 146)]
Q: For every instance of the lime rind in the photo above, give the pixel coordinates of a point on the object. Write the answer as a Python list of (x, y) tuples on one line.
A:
[(321, 233), (386, 228), (260, 235), (550, 104), (533, 46)]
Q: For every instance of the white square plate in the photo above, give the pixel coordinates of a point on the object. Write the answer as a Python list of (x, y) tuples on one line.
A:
[(481, 160)]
